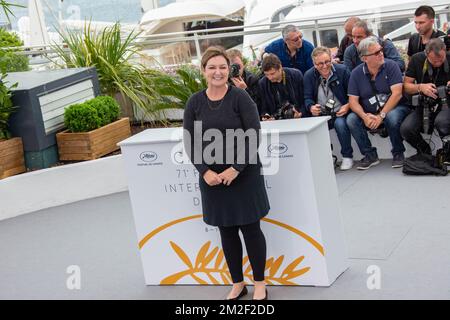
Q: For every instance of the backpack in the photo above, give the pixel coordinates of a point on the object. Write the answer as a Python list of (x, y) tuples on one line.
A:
[(423, 164)]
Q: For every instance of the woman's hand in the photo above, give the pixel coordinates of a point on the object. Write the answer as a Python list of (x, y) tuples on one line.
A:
[(212, 178), (228, 175)]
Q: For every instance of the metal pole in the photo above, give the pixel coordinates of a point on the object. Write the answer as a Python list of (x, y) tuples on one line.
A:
[(197, 47)]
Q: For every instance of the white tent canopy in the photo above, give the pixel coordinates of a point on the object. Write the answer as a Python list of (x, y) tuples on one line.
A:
[(193, 9)]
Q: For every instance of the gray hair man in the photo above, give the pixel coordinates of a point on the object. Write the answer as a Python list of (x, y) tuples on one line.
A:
[(292, 50), (375, 97)]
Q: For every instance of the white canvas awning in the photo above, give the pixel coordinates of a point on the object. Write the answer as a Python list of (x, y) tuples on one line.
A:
[(191, 10)]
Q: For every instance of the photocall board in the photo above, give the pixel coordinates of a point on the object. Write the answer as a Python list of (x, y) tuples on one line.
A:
[(304, 234)]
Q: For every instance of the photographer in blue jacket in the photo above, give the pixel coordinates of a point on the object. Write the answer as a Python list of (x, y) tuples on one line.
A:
[(325, 90)]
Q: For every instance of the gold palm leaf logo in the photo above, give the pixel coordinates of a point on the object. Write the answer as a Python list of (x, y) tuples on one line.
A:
[(212, 264)]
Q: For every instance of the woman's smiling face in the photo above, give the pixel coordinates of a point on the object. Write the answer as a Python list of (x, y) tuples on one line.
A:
[(216, 71)]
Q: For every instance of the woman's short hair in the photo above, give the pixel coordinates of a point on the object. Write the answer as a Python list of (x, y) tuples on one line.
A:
[(320, 50), (270, 61), (365, 44), (212, 52)]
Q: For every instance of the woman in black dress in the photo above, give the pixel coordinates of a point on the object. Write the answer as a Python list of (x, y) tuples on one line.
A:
[(232, 186)]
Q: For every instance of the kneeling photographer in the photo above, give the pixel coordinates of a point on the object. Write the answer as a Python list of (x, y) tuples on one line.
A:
[(281, 91), (427, 80), (242, 78), (326, 95)]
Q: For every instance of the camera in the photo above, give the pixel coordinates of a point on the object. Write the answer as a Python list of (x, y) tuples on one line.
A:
[(234, 70), (443, 154), (285, 112), (328, 108), (429, 105), (381, 130), (382, 98)]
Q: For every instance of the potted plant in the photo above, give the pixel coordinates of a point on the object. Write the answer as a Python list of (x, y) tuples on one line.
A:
[(93, 129), (11, 149)]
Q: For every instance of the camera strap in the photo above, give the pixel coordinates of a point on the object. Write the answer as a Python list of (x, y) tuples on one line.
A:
[(375, 94)]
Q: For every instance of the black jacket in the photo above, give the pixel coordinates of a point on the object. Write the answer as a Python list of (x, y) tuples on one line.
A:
[(294, 83), (415, 44), (251, 81)]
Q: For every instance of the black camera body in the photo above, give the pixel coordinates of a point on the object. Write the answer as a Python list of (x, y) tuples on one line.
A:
[(430, 105), (443, 154), (234, 70), (328, 108), (285, 112)]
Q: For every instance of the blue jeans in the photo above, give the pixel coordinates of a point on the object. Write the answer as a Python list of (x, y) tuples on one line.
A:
[(392, 123), (344, 136)]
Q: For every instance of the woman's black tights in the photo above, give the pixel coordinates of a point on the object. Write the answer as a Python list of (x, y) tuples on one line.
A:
[(255, 243)]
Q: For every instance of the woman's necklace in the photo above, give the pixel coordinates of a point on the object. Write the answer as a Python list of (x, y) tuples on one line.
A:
[(215, 104)]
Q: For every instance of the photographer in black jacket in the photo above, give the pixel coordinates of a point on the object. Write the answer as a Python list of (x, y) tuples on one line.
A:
[(424, 22), (281, 91), (427, 80), (242, 78)]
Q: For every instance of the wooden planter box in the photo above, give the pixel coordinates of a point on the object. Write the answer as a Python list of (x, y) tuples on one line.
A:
[(93, 144), (11, 157)]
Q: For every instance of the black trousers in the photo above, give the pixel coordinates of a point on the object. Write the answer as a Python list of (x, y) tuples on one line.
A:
[(255, 243), (411, 128)]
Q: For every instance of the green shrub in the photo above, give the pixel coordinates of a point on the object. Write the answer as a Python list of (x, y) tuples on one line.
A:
[(9, 39), (108, 109), (81, 118), (6, 107), (9, 60), (91, 114), (12, 62)]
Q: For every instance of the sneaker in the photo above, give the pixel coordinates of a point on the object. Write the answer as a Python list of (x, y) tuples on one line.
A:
[(397, 161), (347, 164), (368, 162)]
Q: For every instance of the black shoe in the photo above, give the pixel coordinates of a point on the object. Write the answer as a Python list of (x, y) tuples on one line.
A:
[(397, 161), (368, 162), (265, 298), (240, 295)]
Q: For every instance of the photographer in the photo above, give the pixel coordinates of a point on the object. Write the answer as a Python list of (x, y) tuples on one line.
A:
[(242, 78), (292, 49), (424, 21), (375, 97), (326, 94), (360, 32), (426, 79), (281, 91)]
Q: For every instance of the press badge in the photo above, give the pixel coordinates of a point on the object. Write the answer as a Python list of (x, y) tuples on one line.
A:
[(373, 100)]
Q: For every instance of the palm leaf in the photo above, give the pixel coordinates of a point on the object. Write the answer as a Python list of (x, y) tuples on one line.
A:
[(183, 256)]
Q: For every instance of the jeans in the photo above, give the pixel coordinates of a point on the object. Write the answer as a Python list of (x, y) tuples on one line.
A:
[(392, 123), (344, 136), (412, 125)]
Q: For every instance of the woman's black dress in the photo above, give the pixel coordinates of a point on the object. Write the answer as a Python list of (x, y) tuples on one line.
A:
[(245, 200)]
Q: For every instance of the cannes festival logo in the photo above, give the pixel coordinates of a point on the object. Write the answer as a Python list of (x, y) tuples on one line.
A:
[(148, 156), (277, 148), (207, 265)]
